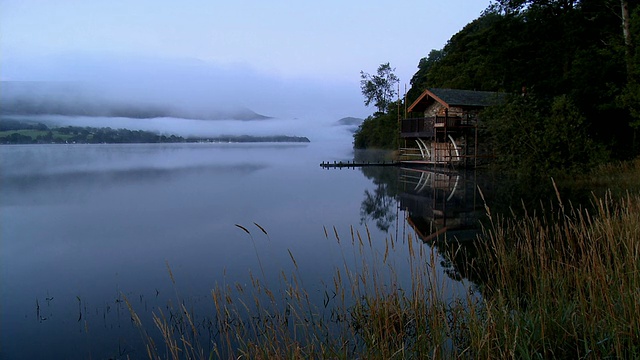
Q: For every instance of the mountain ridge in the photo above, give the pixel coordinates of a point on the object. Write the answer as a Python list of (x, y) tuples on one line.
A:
[(71, 99)]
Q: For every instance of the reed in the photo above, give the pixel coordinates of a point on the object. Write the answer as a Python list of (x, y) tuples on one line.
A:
[(559, 282), (563, 283), (618, 177)]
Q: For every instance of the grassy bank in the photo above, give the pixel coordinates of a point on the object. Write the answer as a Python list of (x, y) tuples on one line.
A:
[(560, 282), (619, 177)]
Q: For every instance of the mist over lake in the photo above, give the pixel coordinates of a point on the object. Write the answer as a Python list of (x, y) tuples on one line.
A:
[(190, 99)]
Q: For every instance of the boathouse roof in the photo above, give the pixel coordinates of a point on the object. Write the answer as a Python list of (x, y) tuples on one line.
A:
[(456, 97)]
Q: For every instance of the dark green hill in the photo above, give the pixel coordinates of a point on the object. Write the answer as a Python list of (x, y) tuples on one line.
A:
[(573, 73)]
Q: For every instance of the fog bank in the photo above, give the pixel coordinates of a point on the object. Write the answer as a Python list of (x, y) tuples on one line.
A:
[(187, 88)]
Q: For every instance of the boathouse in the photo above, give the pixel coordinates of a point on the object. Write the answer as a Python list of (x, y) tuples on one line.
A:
[(442, 127)]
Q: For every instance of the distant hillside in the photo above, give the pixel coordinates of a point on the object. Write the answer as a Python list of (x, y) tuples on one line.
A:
[(70, 99), (351, 124), (21, 132), (350, 121)]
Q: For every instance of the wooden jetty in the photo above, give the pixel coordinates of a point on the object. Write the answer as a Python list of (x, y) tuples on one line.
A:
[(415, 163), (354, 164)]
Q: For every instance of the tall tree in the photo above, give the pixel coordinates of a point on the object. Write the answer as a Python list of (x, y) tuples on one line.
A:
[(379, 88), (626, 32), (572, 48), (419, 80)]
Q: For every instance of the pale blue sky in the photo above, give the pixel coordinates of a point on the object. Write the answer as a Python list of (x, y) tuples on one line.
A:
[(331, 39), (282, 58)]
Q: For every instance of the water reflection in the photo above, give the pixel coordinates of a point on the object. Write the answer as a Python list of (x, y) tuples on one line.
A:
[(84, 225), (445, 208), (442, 207), (440, 204), (71, 184), (379, 204)]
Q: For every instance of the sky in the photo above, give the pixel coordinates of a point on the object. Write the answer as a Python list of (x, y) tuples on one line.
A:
[(277, 45)]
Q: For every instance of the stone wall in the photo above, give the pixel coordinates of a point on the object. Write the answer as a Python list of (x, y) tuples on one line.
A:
[(437, 109)]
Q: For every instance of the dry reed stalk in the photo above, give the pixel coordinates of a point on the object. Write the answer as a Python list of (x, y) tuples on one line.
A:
[(571, 278), (561, 282)]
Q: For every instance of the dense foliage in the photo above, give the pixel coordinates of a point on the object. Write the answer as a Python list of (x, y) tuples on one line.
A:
[(379, 88), (18, 132), (531, 136), (574, 62), (379, 131)]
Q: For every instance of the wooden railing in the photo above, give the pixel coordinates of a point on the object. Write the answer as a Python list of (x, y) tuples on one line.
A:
[(441, 121), (425, 127), (417, 127)]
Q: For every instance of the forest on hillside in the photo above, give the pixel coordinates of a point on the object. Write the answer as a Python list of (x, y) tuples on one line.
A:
[(572, 69), (30, 132)]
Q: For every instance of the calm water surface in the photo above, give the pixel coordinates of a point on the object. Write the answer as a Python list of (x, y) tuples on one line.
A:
[(83, 224)]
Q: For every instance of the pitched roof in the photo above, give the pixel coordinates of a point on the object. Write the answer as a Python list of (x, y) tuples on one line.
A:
[(455, 97)]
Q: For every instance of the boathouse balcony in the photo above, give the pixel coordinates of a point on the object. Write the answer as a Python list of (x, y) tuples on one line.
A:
[(417, 128), (425, 127)]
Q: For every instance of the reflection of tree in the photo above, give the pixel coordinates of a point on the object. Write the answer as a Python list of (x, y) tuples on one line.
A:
[(378, 206)]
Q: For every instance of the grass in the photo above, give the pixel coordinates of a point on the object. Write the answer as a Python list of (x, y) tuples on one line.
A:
[(563, 284), (619, 177), (559, 282)]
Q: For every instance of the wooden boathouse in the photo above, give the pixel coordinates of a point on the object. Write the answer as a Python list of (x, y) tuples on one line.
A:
[(442, 128)]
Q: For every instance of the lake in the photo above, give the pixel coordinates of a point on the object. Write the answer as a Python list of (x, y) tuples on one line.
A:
[(83, 226)]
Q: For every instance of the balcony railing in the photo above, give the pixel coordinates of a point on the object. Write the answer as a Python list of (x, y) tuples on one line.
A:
[(425, 127), (417, 127), (441, 121)]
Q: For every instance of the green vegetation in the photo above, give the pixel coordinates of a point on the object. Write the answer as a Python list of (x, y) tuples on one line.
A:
[(532, 136), (379, 88), (618, 177), (378, 131), (17, 132), (573, 61), (381, 129), (563, 283)]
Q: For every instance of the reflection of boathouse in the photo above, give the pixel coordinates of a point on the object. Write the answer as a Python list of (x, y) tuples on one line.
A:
[(446, 130), (439, 202)]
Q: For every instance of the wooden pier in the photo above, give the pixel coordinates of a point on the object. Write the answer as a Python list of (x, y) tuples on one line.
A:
[(405, 163), (354, 164)]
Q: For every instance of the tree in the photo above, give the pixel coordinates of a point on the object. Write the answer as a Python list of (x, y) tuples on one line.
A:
[(378, 205), (516, 6), (419, 80), (531, 135), (579, 51), (626, 34), (379, 88), (377, 132), (484, 55)]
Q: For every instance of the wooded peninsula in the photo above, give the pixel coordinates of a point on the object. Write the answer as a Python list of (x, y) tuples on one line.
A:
[(20, 132), (571, 70)]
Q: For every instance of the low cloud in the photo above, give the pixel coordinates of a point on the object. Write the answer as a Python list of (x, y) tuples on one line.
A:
[(103, 85)]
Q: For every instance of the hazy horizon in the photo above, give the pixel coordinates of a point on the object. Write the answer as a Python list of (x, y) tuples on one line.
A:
[(298, 63)]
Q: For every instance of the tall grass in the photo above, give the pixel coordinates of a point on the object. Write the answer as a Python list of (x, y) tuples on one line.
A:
[(561, 282), (619, 177), (564, 283)]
